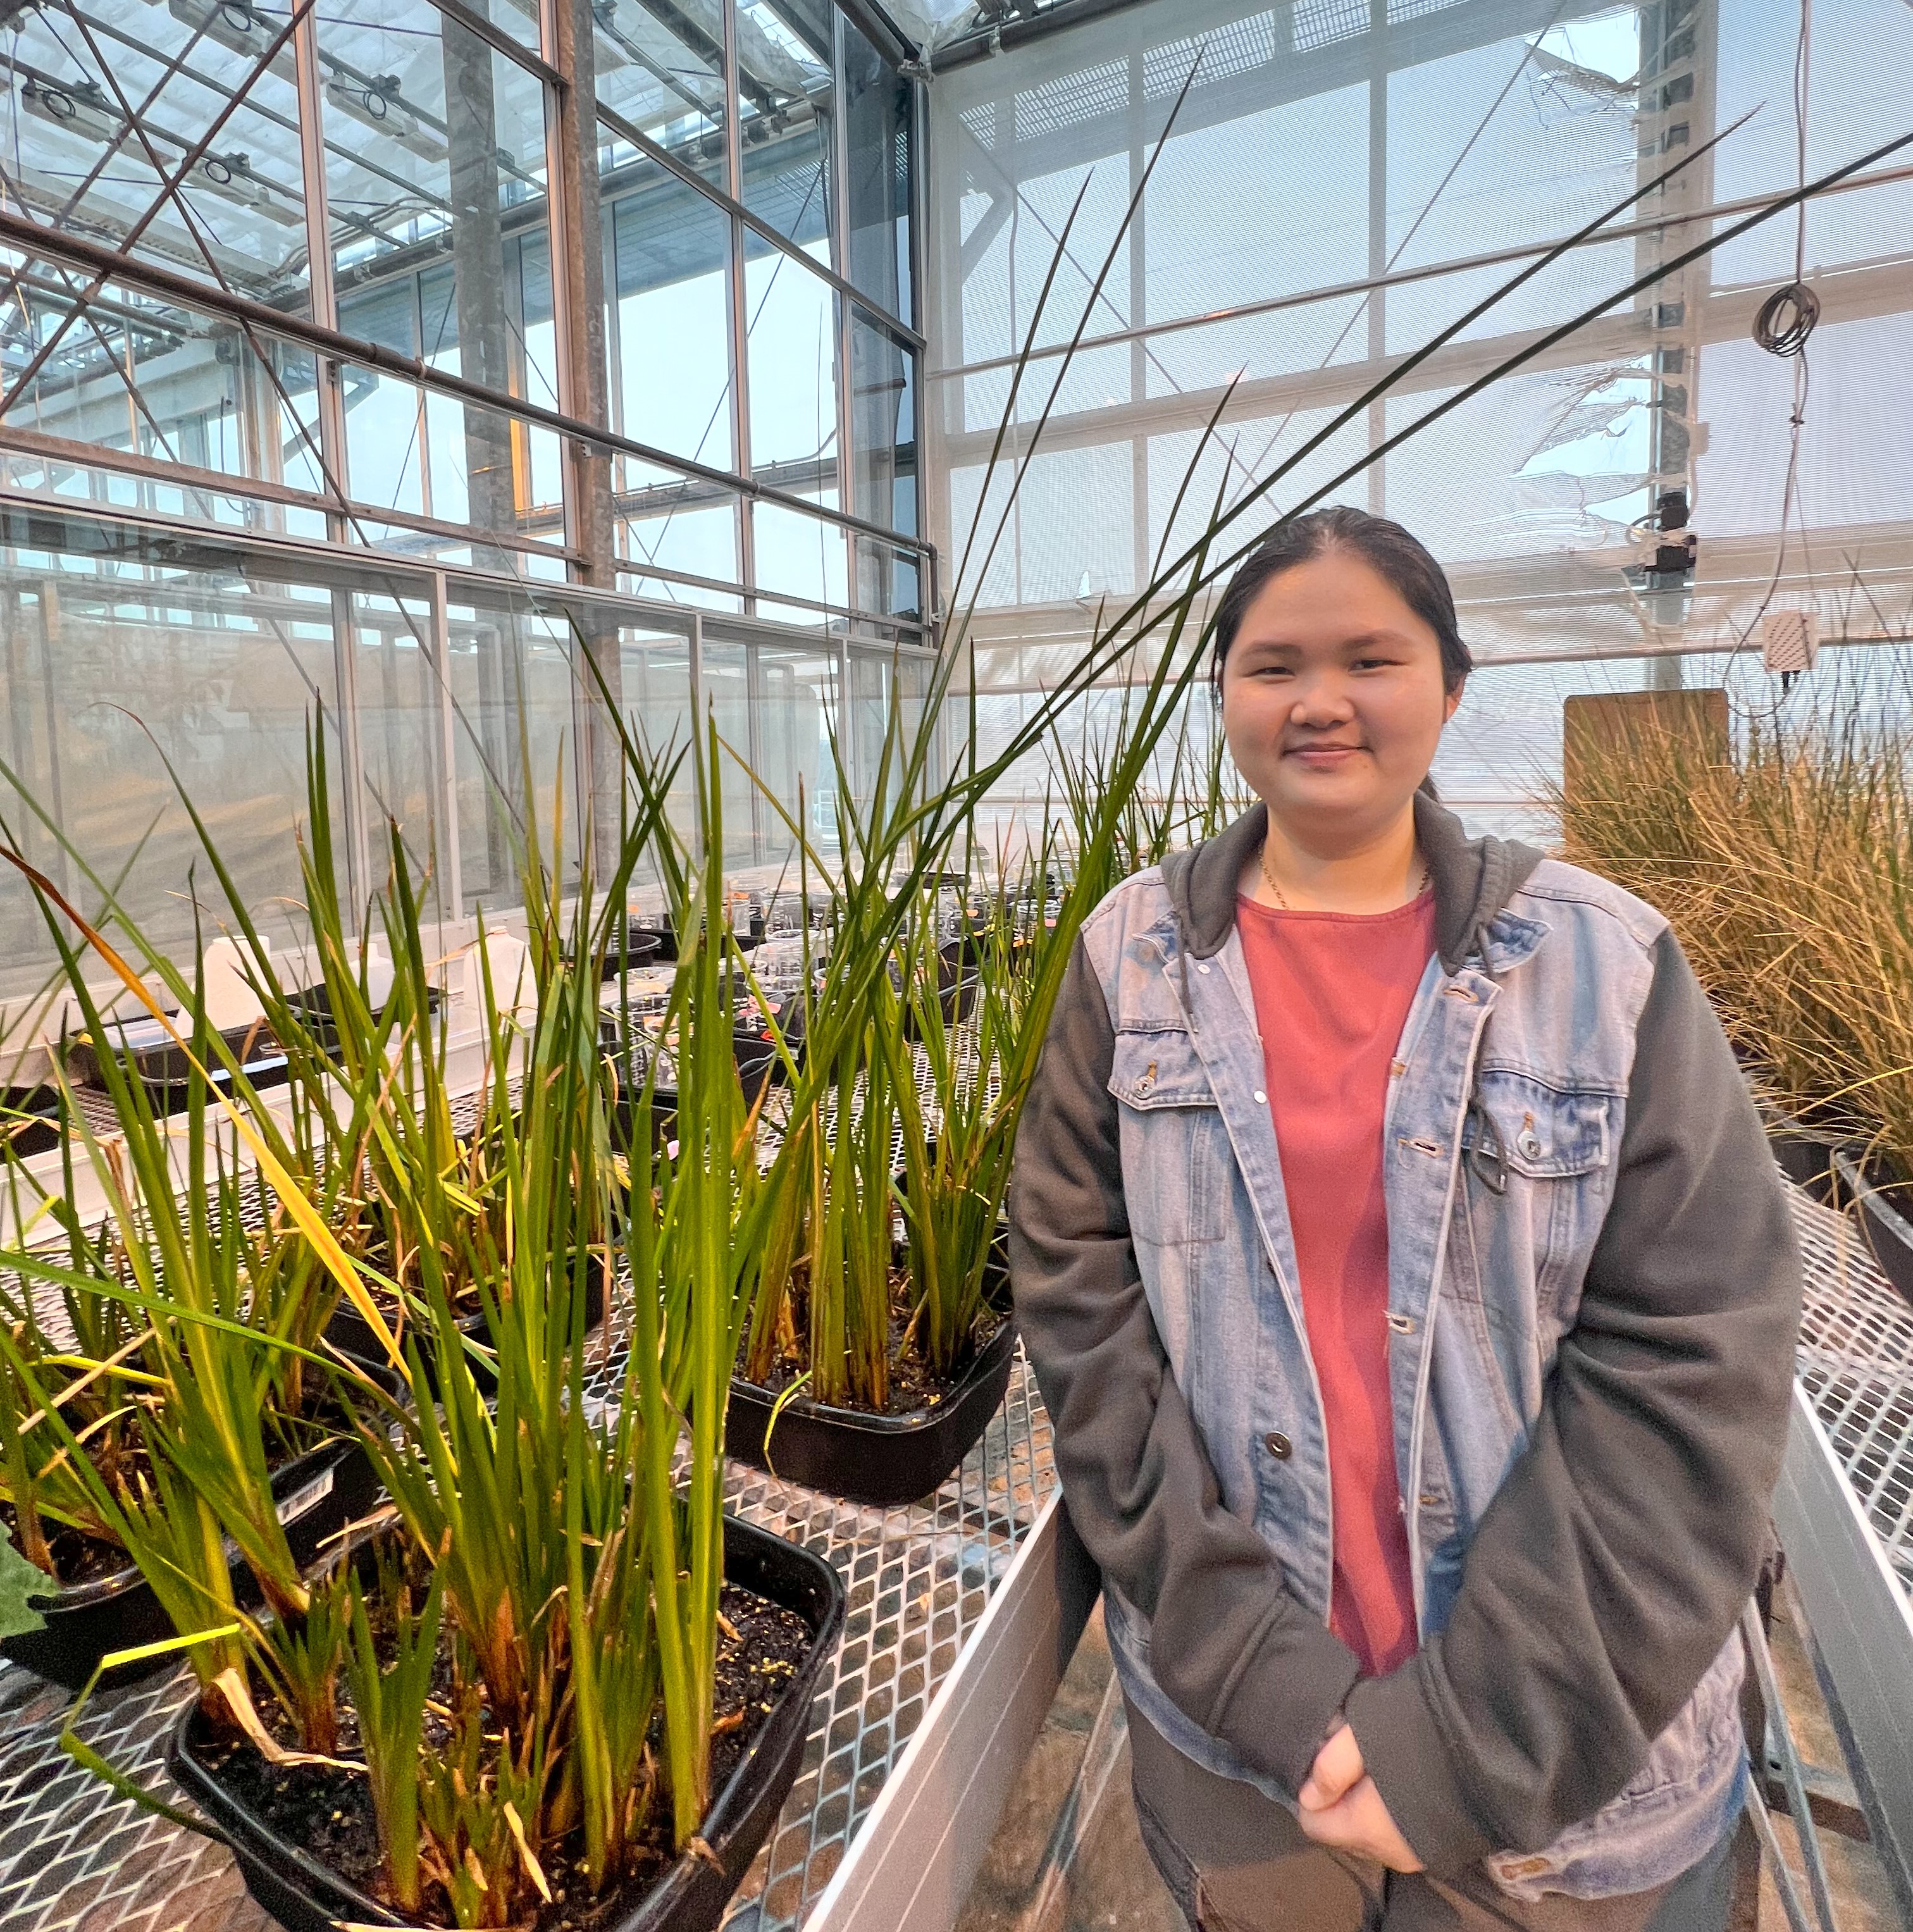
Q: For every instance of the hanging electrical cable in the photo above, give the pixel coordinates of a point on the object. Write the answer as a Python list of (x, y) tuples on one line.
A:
[(1785, 321)]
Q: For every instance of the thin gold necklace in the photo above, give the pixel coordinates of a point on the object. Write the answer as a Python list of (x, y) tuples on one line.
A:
[(1281, 898)]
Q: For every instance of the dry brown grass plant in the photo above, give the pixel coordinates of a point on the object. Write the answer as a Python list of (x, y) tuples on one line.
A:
[(1785, 863)]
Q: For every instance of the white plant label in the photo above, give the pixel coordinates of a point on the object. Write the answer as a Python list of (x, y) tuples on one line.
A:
[(305, 1497)]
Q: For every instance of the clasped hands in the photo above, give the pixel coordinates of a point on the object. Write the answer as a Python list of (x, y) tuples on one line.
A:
[(1341, 1808)]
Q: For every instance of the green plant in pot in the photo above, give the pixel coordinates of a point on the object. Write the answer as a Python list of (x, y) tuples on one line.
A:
[(421, 1170), (190, 1429), (512, 1678), (876, 1283)]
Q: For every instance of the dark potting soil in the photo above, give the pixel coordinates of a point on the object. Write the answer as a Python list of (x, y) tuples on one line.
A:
[(328, 1813), (77, 1559), (464, 1302), (913, 1387)]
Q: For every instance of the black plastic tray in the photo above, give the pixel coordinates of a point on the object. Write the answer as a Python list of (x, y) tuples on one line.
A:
[(665, 934), (33, 1120), (348, 1333), (1804, 1148), (314, 1004), (161, 1065), (325, 1489), (959, 976), (642, 946), (692, 1894), (883, 1460), (664, 1120), (1883, 1218)]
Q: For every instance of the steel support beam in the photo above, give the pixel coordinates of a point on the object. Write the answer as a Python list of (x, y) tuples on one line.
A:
[(579, 285), (1872, 290)]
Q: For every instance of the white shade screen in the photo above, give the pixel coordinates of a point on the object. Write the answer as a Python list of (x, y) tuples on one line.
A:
[(1345, 178)]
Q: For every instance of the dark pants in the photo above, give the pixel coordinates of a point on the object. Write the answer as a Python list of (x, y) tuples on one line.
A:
[(1236, 1861)]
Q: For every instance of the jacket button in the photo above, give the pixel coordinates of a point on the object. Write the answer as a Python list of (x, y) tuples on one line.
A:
[(1278, 1445)]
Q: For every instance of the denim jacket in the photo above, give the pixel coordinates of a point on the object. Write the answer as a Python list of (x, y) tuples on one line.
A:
[(1505, 1123)]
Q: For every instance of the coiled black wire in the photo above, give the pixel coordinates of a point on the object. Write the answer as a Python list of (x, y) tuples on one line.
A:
[(1787, 319)]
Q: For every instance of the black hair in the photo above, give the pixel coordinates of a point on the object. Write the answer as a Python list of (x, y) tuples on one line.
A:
[(1399, 559)]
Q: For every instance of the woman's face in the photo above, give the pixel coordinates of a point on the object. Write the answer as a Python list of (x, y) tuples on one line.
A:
[(1332, 700)]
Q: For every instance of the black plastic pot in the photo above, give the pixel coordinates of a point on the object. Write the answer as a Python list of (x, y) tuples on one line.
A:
[(639, 946), (319, 1493), (630, 1058), (314, 1005), (872, 1459), (1806, 1154), (34, 1119), (690, 1895), (663, 1121), (665, 933), (162, 1066), (959, 975), (349, 1332), (1883, 1208), (753, 1043)]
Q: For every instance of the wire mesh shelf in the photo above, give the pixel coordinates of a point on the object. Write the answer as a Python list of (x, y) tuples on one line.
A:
[(74, 1857), (1856, 1364)]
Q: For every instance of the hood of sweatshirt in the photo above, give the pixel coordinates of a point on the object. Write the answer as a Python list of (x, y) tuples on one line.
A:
[(1473, 879)]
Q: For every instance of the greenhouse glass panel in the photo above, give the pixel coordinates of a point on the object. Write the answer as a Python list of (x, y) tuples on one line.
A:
[(400, 697), (163, 382), (792, 317), (796, 698), (660, 69), (670, 335), (784, 118), (654, 701), (514, 693), (104, 109), (798, 556), (458, 170), (883, 427), (111, 672), (723, 694), (670, 533), (879, 176)]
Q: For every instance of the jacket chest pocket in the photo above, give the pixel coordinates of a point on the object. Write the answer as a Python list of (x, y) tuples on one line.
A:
[(1176, 1160), (1538, 1160)]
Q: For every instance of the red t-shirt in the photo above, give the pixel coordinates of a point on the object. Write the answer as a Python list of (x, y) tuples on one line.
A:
[(1332, 992)]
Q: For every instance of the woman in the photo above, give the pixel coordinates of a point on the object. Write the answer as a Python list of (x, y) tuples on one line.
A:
[(1413, 1297)]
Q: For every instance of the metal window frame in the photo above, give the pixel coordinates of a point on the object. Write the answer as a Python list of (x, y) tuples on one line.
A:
[(18, 231), (628, 132), (345, 565)]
